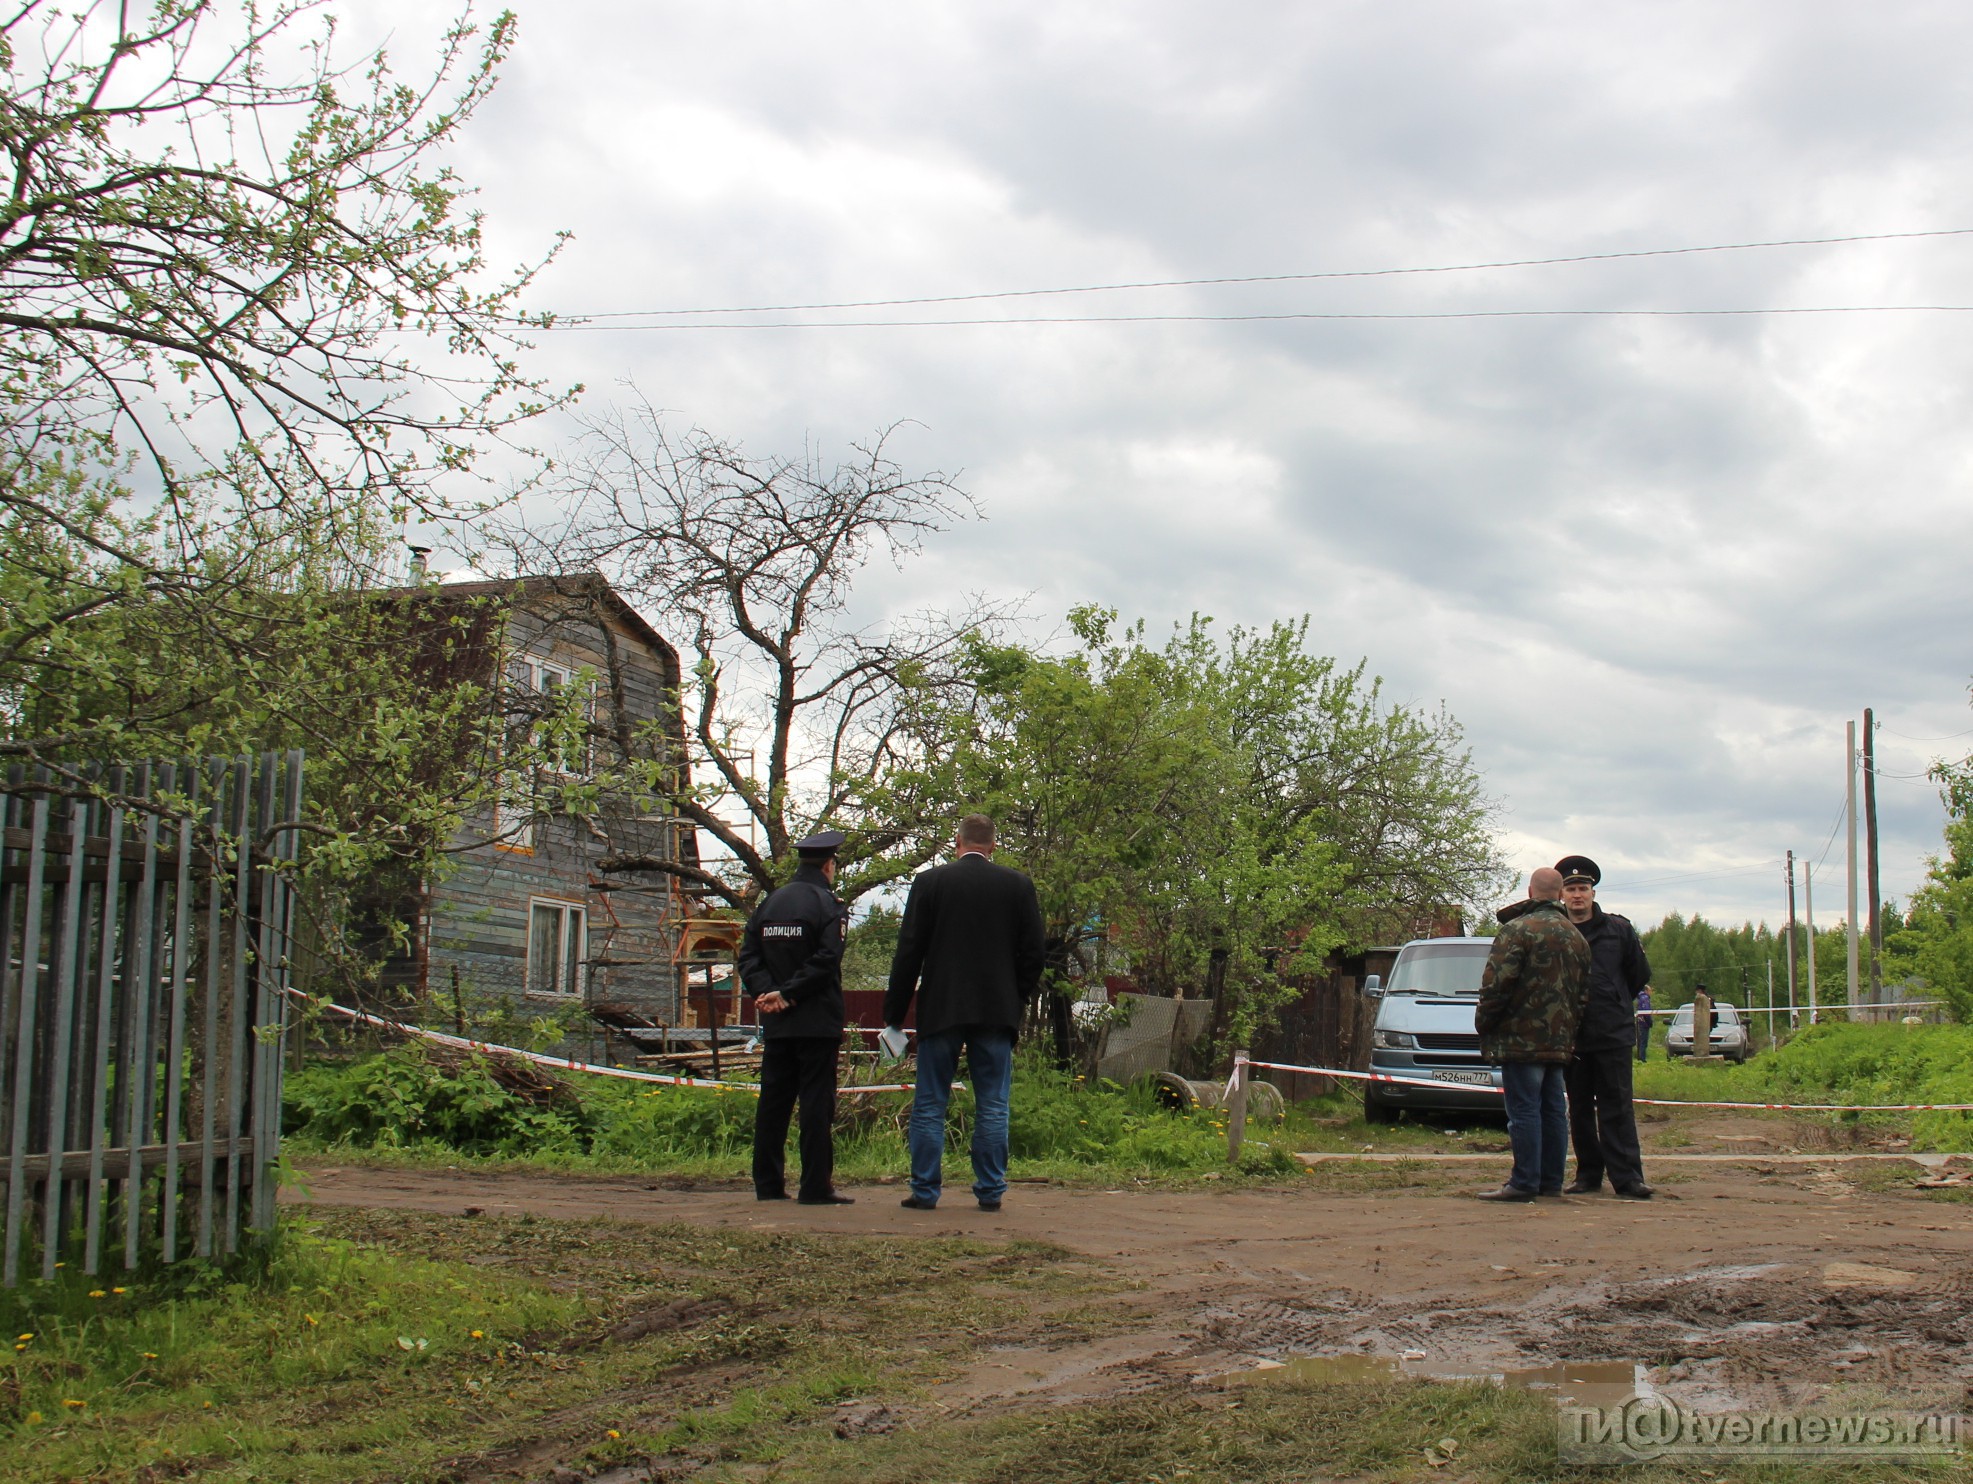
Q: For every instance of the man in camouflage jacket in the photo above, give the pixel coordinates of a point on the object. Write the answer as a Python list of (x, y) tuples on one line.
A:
[(1531, 1001)]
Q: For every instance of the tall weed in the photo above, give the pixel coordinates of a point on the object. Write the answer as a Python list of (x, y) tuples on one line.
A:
[(400, 1100)]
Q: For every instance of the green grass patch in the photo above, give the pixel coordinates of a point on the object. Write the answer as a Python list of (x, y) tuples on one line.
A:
[(1837, 1062), (1272, 1433), (406, 1106), (379, 1345)]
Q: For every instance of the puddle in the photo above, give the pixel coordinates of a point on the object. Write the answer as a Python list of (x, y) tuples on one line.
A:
[(1604, 1379)]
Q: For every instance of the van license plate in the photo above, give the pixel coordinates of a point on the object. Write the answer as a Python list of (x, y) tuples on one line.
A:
[(1469, 1079)]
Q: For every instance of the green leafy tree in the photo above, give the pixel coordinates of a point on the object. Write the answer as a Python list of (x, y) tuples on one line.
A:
[(1934, 941), (249, 330), (1237, 800)]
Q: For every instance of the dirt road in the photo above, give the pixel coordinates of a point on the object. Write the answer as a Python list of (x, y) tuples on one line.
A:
[(1756, 1283)]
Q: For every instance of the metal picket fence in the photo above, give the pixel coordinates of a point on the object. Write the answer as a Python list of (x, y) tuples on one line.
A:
[(145, 918)]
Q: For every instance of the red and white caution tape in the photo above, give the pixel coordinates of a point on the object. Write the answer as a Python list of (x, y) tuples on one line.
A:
[(569, 1064), (1276, 1066)]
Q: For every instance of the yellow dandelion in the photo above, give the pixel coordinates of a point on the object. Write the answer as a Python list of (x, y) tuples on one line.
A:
[(614, 1433), (97, 1293), (478, 1335), (69, 1401), (207, 1405), (150, 1355), (310, 1318), (33, 1419), (28, 1336), (20, 1347), (119, 1290)]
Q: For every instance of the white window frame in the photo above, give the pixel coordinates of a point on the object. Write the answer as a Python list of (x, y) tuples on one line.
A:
[(546, 677), (571, 969)]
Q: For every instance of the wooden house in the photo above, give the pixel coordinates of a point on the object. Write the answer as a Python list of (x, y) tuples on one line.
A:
[(526, 918)]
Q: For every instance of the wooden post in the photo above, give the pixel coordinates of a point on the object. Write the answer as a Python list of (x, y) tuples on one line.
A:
[(1236, 1124), (712, 1024)]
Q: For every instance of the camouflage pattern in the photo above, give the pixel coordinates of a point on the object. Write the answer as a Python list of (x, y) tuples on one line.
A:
[(1534, 988)]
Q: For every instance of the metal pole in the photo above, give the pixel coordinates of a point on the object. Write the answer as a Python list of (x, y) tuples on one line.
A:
[(1791, 940), (1871, 880), (1850, 927), (1808, 902), (1236, 1124), (1770, 1002)]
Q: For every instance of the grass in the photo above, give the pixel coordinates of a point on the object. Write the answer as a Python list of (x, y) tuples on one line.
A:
[(722, 1355), (401, 1107), (381, 1345)]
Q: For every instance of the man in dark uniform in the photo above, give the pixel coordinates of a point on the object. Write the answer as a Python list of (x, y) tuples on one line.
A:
[(1602, 1121), (791, 960)]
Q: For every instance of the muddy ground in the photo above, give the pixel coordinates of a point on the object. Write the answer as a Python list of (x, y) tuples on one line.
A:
[(1751, 1283)]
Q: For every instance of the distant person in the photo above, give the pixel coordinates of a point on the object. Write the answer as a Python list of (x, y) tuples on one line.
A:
[(969, 947), (791, 960), (1531, 1000), (1601, 1115), (1643, 1022)]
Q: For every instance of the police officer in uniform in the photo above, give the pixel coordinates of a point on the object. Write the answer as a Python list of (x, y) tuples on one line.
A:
[(1602, 1120), (791, 960)]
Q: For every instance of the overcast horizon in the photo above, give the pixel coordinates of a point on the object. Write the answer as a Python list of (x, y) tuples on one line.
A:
[(1652, 563)]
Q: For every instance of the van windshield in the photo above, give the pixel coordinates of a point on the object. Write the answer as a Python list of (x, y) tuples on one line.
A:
[(1435, 968)]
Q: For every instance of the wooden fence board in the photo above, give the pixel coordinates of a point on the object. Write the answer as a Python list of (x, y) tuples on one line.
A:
[(145, 921)]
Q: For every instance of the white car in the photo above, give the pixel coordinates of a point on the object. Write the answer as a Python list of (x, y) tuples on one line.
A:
[(1729, 1038)]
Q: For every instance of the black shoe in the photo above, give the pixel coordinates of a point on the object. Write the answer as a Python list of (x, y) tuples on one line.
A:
[(1582, 1187), (1507, 1193), (1551, 1195), (915, 1203), (989, 1205), (1638, 1192), (770, 1195), (831, 1199)]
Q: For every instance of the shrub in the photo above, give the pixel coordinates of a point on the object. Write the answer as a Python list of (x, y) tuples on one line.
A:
[(403, 1098)]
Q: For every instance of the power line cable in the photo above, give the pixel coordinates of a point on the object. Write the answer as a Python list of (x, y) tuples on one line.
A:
[(1185, 283), (1700, 875), (1841, 809), (582, 322), (1948, 737)]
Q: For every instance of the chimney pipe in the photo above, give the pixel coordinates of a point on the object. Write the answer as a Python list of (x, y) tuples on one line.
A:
[(419, 570)]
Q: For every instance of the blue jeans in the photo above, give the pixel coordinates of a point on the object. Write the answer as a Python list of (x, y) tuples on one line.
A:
[(1537, 1124), (990, 1070)]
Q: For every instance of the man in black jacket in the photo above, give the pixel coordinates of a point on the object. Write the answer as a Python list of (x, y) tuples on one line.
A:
[(969, 947), (791, 960), (1602, 1120)]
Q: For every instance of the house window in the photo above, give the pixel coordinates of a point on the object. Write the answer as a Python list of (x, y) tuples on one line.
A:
[(534, 676), (558, 935)]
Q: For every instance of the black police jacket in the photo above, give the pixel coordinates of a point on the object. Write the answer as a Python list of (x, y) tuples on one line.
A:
[(794, 943), (1618, 970)]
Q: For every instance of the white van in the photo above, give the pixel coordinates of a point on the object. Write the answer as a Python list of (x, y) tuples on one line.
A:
[(1425, 1030)]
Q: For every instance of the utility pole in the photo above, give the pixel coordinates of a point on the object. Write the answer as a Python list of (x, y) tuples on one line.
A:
[(1808, 902), (1770, 1000), (1791, 940), (1870, 878), (1850, 927)]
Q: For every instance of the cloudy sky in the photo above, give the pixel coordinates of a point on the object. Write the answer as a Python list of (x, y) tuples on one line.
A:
[(1652, 563)]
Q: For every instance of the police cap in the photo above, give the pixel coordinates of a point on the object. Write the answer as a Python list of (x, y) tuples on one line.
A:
[(820, 845), (1579, 868)]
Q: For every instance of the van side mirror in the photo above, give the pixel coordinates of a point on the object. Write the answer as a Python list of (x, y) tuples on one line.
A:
[(1373, 986)]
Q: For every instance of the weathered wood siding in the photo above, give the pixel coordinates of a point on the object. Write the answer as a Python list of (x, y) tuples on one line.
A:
[(472, 936)]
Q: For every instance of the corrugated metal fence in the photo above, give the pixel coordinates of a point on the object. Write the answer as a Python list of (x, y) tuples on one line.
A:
[(144, 929)]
